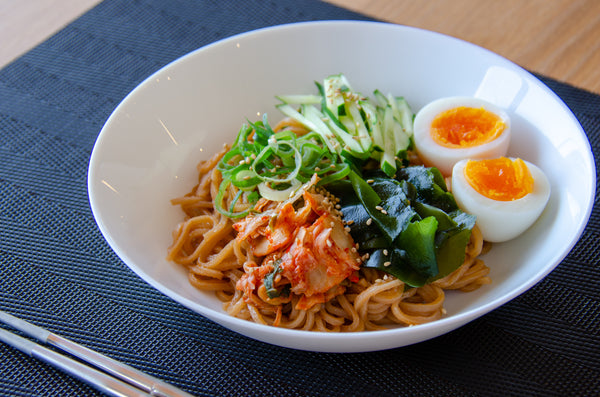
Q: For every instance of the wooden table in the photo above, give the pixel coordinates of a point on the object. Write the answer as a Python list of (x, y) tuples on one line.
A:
[(557, 38)]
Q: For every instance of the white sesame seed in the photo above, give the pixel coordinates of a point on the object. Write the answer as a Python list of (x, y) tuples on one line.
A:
[(385, 252), (369, 221), (347, 229), (370, 181), (378, 207), (384, 212), (386, 264), (329, 243)]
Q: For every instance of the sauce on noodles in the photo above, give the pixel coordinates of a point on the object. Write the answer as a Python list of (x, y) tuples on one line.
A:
[(293, 264)]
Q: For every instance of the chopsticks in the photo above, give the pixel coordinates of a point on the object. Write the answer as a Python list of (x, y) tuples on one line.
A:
[(118, 379)]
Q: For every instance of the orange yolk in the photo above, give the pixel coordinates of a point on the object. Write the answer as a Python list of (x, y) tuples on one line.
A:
[(500, 179), (464, 127)]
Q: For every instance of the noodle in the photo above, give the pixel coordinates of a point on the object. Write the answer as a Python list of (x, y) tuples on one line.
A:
[(205, 243)]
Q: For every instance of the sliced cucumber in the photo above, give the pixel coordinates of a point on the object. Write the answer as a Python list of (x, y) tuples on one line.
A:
[(380, 128), (300, 99)]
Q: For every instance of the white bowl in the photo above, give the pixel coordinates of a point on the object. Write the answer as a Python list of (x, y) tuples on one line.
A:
[(147, 152)]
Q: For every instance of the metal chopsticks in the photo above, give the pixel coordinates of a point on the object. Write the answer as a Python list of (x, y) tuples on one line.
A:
[(118, 379)]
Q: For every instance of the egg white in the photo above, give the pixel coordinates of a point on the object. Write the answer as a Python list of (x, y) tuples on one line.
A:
[(443, 158), (501, 220)]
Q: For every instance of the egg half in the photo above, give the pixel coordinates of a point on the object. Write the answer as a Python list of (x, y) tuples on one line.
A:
[(451, 129), (507, 195)]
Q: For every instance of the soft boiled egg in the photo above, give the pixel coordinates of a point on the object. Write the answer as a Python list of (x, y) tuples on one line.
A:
[(506, 195), (451, 129)]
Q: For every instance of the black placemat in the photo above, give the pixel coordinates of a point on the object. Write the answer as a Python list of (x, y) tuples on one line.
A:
[(58, 272)]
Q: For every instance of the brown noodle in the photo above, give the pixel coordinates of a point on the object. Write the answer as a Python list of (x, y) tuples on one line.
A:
[(205, 244)]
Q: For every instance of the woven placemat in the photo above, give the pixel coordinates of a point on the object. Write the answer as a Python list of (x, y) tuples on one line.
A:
[(58, 272)]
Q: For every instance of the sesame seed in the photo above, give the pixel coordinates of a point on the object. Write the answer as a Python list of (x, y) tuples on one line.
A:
[(444, 311), (386, 264), (370, 181), (378, 207), (384, 212), (349, 222), (385, 252), (369, 221), (358, 260), (347, 229), (329, 243), (332, 224)]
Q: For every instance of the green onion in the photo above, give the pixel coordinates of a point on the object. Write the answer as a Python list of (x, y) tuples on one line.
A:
[(274, 165)]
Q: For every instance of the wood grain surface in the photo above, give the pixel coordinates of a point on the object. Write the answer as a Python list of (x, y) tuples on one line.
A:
[(557, 38)]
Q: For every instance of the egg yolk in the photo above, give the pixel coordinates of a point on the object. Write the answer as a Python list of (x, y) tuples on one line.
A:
[(464, 127), (500, 179)]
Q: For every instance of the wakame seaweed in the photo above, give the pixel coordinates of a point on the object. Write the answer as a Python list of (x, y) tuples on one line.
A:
[(410, 226)]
